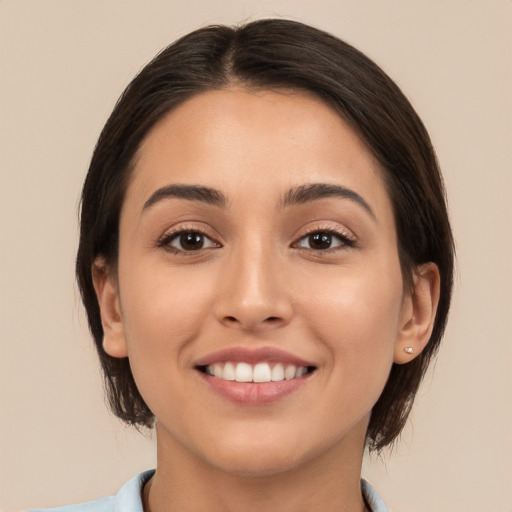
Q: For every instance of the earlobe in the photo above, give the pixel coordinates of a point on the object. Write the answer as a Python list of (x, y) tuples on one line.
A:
[(418, 314), (107, 293)]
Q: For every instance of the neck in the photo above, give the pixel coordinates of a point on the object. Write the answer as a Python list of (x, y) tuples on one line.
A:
[(329, 482)]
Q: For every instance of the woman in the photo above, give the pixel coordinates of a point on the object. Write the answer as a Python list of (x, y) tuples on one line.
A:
[(266, 263)]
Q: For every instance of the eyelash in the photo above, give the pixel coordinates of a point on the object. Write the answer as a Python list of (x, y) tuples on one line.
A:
[(165, 241), (347, 241)]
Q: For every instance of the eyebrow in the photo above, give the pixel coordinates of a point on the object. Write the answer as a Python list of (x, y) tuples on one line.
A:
[(314, 191), (297, 195), (189, 192)]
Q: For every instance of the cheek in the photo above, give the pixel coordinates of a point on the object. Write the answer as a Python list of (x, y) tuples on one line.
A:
[(357, 320), (162, 312), (162, 316)]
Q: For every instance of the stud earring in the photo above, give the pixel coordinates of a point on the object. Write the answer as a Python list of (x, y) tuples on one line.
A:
[(409, 350)]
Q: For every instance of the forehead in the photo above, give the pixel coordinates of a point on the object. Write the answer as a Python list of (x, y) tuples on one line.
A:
[(263, 141)]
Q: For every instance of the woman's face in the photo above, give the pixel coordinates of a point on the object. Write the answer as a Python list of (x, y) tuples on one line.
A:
[(257, 243)]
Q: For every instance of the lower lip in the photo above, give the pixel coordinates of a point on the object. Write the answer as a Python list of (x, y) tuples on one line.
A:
[(254, 393)]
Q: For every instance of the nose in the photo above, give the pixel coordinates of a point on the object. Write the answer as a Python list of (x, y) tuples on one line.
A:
[(253, 293)]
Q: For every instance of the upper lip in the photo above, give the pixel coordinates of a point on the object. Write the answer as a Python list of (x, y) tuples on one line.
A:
[(252, 356)]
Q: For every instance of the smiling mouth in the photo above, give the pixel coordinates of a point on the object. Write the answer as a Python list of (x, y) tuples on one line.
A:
[(257, 373)]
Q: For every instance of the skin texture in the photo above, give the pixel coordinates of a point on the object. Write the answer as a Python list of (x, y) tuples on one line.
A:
[(257, 282)]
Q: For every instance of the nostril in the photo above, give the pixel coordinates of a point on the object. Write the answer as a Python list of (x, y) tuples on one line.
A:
[(252, 320)]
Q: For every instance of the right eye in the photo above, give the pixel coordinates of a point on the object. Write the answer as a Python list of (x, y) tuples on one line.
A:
[(186, 241)]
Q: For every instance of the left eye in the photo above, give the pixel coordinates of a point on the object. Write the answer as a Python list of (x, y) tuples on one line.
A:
[(322, 240), (188, 241)]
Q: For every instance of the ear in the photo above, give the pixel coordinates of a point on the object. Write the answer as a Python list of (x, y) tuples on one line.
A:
[(107, 293), (418, 314)]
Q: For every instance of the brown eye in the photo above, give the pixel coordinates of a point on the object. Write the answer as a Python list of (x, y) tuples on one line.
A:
[(191, 241), (187, 241), (323, 241), (320, 241)]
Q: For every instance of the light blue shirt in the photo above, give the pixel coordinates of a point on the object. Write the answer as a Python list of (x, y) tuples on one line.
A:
[(128, 499)]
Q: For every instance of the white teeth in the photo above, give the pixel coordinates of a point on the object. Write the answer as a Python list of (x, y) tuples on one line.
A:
[(278, 372), (301, 370), (243, 372), (229, 372), (218, 371), (261, 372), (289, 373)]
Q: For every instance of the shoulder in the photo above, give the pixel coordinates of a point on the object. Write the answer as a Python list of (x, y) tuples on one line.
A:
[(127, 499)]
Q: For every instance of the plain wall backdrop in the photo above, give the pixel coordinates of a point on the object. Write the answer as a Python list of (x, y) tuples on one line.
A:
[(62, 66)]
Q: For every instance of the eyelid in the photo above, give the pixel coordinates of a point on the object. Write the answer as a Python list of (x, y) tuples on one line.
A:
[(344, 234), (172, 233)]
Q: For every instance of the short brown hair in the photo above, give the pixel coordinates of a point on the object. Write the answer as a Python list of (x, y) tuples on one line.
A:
[(275, 54)]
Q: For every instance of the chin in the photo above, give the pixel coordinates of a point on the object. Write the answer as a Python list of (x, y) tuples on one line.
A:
[(264, 454), (258, 463)]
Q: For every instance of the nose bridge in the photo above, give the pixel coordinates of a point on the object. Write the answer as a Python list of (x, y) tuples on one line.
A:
[(254, 295)]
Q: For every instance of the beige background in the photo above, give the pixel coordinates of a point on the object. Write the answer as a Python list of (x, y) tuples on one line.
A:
[(63, 65)]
